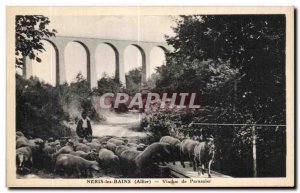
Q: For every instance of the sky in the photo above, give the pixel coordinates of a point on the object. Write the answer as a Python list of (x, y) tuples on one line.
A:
[(142, 28)]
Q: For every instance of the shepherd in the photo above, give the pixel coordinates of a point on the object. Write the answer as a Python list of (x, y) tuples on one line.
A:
[(84, 129)]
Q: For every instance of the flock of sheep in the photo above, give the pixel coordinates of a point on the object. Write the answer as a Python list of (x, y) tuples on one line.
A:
[(80, 158)]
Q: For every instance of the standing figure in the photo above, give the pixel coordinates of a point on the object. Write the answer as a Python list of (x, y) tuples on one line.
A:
[(84, 129)]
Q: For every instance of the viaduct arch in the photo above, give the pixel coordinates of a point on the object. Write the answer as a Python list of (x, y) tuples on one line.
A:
[(90, 45)]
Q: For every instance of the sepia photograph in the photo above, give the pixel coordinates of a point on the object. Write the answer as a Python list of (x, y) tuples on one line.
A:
[(150, 97)]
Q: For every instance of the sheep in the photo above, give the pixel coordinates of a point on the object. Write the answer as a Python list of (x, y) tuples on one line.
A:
[(82, 147), (153, 153), (21, 142), (116, 141), (132, 145), (104, 139), (49, 148), (138, 147), (127, 159), (175, 143), (108, 159), (37, 146), (95, 141), (187, 151), (92, 156), (141, 147), (74, 164), (110, 146), (35, 142), (63, 141), (204, 153), (24, 158), (94, 146), (64, 150), (48, 151), (120, 149), (19, 134)]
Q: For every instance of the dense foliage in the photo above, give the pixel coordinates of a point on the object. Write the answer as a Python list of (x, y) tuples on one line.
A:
[(42, 109), (252, 45), (30, 30), (108, 84), (236, 63), (38, 109), (134, 79)]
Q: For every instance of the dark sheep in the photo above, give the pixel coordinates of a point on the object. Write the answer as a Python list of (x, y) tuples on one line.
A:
[(175, 143), (48, 155), (37, 146), (187, 151), (127, 159), (153, 153)]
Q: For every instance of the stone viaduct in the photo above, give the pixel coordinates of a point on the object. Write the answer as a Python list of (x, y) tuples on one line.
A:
[(90, 45)]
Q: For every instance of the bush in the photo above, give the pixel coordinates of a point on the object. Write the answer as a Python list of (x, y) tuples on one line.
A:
[(38, 109), (42, 108)]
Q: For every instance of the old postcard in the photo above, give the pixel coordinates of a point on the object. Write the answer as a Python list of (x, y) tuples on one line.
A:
[(150, 97)]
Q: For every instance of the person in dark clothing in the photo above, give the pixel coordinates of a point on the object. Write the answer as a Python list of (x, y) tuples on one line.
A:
[(84, 128)]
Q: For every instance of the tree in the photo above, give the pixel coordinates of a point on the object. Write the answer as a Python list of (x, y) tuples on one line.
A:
[(250, 49), (30, 30), (134, 79), (253, 45), (150, 84), (107, 83)]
